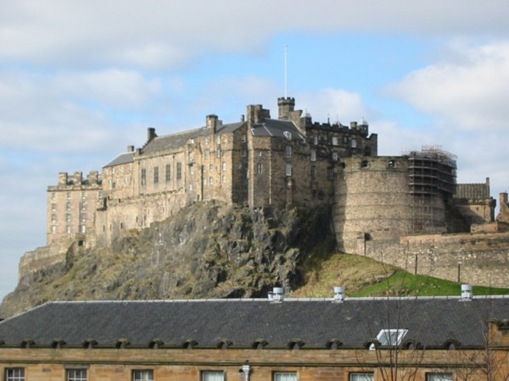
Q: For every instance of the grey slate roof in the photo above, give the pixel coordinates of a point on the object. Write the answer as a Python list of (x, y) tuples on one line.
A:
[(430, 321), (276, 128), (173, 141), (124, 158), (178, 140)]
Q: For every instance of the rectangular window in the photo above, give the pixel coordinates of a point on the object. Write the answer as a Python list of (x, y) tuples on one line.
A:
[(143, 176), (285, 376), (288, 169), (212, 376), (15, 374), (313, 173), (179, 171), (354, 143), (168, 173), (439, 377), (259, 168), (156, 175), (288, 152), (362, 376), (313, 155), (53, 207), (143, 375), (334, 140), (76, 375)]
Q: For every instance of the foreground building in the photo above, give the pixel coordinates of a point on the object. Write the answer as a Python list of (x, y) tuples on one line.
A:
[(333, 339)]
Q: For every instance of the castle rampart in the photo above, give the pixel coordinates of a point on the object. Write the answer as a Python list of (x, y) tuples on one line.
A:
[(480, 259)]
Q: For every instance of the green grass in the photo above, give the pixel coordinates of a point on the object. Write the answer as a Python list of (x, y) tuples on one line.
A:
[(402, 283)]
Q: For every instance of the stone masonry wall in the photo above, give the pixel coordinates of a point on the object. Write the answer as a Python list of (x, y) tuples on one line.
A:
[(481, 259)]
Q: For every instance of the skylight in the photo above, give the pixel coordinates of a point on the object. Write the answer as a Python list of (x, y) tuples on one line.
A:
[(390, 337)]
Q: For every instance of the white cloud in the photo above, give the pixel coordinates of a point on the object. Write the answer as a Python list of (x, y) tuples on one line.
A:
[(72, 111), (115, 88), (336, 105), (163, 34), (469, 92)]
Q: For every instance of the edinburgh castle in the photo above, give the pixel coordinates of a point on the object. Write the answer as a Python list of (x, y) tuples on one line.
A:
[(405, 210)]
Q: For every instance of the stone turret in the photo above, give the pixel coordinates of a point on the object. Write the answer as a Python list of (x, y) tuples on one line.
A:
[(286, 106)]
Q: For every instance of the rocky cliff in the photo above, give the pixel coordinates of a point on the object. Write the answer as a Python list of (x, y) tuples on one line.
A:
[(208, 250)]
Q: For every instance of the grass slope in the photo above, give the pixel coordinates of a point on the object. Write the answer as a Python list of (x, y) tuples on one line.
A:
[(363, 277)]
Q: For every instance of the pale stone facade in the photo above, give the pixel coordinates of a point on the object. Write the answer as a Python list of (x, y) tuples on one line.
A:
[(72, 205)]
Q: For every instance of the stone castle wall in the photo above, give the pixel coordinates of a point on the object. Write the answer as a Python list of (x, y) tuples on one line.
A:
[(480, 259), (44, 257)]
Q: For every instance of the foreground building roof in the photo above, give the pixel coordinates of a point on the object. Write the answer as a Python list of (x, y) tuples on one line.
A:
[(256, 323)]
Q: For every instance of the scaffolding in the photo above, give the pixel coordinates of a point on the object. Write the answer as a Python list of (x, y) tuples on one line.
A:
[(432, 175)]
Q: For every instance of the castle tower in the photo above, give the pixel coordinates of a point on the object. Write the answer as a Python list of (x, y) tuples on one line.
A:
[(286, 105)]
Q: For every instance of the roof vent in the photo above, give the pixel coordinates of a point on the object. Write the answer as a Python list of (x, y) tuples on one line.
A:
[(276, 295), (339, 294), (466, 292)]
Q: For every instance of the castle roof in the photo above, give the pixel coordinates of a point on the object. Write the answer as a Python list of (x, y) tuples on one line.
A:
[(432, 322), (173, 141), (178, 140), (124, 158), (276, 128)]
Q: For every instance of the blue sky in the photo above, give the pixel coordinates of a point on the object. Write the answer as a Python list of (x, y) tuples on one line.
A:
[(81, 80)]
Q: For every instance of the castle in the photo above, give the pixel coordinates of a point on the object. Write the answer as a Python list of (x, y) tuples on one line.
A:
[(259, 161)]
